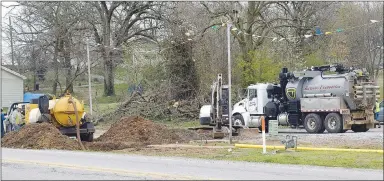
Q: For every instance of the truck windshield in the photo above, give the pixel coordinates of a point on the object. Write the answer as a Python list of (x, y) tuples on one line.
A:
[(252, 93)]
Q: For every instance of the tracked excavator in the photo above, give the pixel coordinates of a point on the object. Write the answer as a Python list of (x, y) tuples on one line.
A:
[(218, 109)]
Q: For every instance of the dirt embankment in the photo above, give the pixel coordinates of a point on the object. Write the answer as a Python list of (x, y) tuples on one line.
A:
[(128, 132)]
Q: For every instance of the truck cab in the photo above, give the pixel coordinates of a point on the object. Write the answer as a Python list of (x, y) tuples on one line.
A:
[(248, 111)]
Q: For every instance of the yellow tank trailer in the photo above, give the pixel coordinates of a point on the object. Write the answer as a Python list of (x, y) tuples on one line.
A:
[(61, 113), (64, 112)]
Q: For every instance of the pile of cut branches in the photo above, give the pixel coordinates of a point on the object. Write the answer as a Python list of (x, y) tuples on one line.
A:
[(155, 105)]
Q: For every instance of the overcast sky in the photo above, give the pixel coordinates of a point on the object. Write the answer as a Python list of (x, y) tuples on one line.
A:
[(4, 22)]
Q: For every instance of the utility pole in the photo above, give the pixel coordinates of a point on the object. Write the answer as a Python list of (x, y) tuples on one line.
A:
[(229, 82), (89, 80), (10, 32)]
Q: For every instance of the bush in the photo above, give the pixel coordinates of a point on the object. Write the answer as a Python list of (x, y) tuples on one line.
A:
[(261, 68)]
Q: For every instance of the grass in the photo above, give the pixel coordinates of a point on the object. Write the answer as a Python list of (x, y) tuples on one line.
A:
[(181, 124), (121, 91), (102, 108), (316, 158)]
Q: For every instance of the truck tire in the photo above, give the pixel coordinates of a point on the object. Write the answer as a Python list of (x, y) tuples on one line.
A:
[(88, 137), (333, 123), (313, 123), (238, 119), (321, 130), (359, 128)]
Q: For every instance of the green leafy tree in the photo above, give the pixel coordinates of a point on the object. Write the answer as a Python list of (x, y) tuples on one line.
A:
[(313, 59), (261, 68)]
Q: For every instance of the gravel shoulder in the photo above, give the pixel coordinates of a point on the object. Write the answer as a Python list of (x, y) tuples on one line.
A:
[(373, 139)]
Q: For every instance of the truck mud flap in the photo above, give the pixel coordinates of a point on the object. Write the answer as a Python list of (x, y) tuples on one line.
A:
[(350, 103)]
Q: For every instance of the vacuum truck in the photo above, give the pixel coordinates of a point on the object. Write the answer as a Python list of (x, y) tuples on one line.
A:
[(335, 102)]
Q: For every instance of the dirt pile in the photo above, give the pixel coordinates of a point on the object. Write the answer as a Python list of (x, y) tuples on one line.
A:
[(129, 132), (135, 129), (39, 136)]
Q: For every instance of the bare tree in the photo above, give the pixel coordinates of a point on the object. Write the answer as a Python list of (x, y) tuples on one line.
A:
[(115, 23), (53, 30), (299, 19)]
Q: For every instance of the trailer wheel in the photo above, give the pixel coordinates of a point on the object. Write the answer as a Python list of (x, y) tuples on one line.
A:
[(313, 123), (88, 137), (333, 123), (359, 128)]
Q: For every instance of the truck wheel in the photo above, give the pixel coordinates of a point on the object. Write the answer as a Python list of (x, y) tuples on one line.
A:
[(321, 130), (313, 123), (238, 120), (333, 123), (359, 128), (88, 137)]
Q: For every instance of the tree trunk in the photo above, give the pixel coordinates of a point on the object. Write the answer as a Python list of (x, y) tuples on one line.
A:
[(109, 83), (299, 43), (56, 67), (380, 63), (109, 88), (34, 68), (68, 66)]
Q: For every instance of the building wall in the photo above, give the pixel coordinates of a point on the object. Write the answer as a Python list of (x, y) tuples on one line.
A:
[(12, 89)]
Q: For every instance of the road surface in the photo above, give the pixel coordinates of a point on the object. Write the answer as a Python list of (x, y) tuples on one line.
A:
[(68, 165)]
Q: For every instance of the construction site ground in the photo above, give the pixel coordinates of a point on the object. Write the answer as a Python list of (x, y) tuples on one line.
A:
[(136, 135), (372, 139)]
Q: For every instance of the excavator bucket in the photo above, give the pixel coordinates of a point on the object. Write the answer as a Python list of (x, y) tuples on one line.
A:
[(218, 131), (218, 134)]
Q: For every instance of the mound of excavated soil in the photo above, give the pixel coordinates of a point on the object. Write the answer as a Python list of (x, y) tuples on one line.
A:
[(136, 129), (39, 136), (129, 132)]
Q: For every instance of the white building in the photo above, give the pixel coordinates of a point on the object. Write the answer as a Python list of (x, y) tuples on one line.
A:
[(12, 87)]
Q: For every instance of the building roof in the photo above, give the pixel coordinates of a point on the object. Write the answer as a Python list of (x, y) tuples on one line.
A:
[(12, 72)]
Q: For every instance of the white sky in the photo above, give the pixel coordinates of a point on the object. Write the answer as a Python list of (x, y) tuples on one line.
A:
[(4, 22)]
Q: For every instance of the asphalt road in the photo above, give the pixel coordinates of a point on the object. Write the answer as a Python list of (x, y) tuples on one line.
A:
[(67, 165)]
